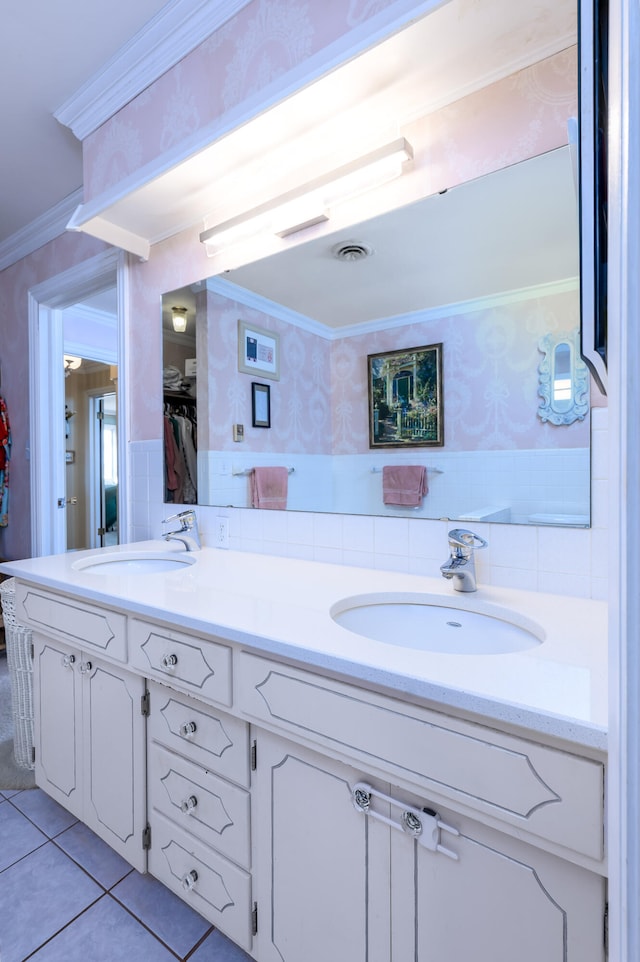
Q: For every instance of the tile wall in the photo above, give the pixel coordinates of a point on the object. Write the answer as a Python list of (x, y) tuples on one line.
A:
[(561, 561)]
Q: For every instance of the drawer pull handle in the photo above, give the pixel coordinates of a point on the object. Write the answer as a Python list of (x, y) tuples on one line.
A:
[(423, 825), (68, 661), (188, 729), (189, 880), (85, 666), (187, 805), (169, 661)]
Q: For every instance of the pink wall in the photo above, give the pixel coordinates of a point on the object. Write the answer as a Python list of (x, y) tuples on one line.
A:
[(490, 379), (320, 404), (15, 282), (300, 400)]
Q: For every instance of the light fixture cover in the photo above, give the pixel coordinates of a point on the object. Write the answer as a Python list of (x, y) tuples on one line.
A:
[(71, 363), (365, 172), (179, 319)]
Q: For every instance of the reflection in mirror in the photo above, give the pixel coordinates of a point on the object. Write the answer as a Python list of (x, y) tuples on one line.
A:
[(180, 434), (485, 269), (564, 380)]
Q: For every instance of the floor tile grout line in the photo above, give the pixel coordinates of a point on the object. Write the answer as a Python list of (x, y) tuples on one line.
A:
[(22, 858), (149, 930), (64, 927), (39, 827), (55, 842), (195, 948)]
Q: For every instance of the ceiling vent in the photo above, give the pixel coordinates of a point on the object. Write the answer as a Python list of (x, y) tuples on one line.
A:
[(351, 251)]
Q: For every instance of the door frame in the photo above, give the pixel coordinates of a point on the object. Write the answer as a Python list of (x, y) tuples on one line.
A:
[(46, 347), (96, 505)]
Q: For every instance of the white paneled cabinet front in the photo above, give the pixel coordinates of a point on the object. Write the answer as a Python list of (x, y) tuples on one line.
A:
[(336, 880), (321, 870), (90, 743)]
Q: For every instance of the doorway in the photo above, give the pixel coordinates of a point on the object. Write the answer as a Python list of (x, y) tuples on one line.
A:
[(91, 455), (48, 303)]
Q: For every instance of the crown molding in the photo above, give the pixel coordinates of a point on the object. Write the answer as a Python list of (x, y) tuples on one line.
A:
[(250, 299), (168, 37), (39, 232)]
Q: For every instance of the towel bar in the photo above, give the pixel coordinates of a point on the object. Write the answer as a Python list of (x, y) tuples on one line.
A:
[(430, 470), (247, 471)]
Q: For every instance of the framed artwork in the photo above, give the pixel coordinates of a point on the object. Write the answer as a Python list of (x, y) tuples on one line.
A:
[(260, 405), (405, 398), (258, 351)]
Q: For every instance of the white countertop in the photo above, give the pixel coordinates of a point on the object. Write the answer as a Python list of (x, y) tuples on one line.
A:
[(282, 606)]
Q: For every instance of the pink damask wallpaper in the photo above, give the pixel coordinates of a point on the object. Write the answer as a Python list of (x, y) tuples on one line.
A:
[(490, 376)]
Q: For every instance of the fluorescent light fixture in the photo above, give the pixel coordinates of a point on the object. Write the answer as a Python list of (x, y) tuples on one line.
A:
[(179, 319), (308, 204)]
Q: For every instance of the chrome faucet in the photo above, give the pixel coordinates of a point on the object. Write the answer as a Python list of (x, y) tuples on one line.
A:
[(460, 565), (187, 533)]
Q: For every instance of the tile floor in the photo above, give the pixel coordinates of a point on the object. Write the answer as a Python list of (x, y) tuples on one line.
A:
[(65, 896)]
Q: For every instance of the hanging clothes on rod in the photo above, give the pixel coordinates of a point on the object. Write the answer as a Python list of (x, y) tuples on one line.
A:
[(180, 450), (5, 457)]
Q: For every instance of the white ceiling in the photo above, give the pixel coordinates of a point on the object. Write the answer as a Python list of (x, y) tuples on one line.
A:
[(47, 52), (516, 228)]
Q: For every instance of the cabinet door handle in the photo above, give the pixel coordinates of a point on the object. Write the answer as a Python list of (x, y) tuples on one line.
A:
[(85, 666), (189, 880), (187, 805), (424, 825), (68, 661), (189, 728), (169, 661)]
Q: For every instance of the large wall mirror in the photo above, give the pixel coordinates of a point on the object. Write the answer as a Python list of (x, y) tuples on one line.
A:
[(486, 267)]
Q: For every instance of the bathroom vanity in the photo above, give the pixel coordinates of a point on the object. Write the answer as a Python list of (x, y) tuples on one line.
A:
[(314, 793)]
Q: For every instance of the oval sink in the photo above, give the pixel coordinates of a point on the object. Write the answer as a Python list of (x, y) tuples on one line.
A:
[(134, 562), (430, 623)]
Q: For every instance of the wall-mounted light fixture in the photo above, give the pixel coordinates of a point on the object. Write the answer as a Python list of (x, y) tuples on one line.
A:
[(179, 319), (309, 204), (71, 363)]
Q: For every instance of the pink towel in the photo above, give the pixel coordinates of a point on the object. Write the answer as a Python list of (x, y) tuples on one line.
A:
[(404, 484), (269, 488)]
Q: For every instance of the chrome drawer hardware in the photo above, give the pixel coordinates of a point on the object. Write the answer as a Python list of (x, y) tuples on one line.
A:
[(423, 825), (68, 661), (189, 880), (187, 805), (169, 661), (188, 729), (85, 666)]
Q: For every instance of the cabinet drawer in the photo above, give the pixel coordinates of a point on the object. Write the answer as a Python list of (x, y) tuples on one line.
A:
[(198, 666), (213, 886), (212, 809), (73, 621), (210, 738), (535, 789)]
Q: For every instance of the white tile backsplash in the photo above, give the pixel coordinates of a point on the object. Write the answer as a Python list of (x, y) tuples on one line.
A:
[(569, 561)]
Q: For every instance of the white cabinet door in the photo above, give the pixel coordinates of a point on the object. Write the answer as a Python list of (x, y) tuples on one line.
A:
[(90, 743), (500, 900), (57, 708), (114, 769), (321, 871)]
